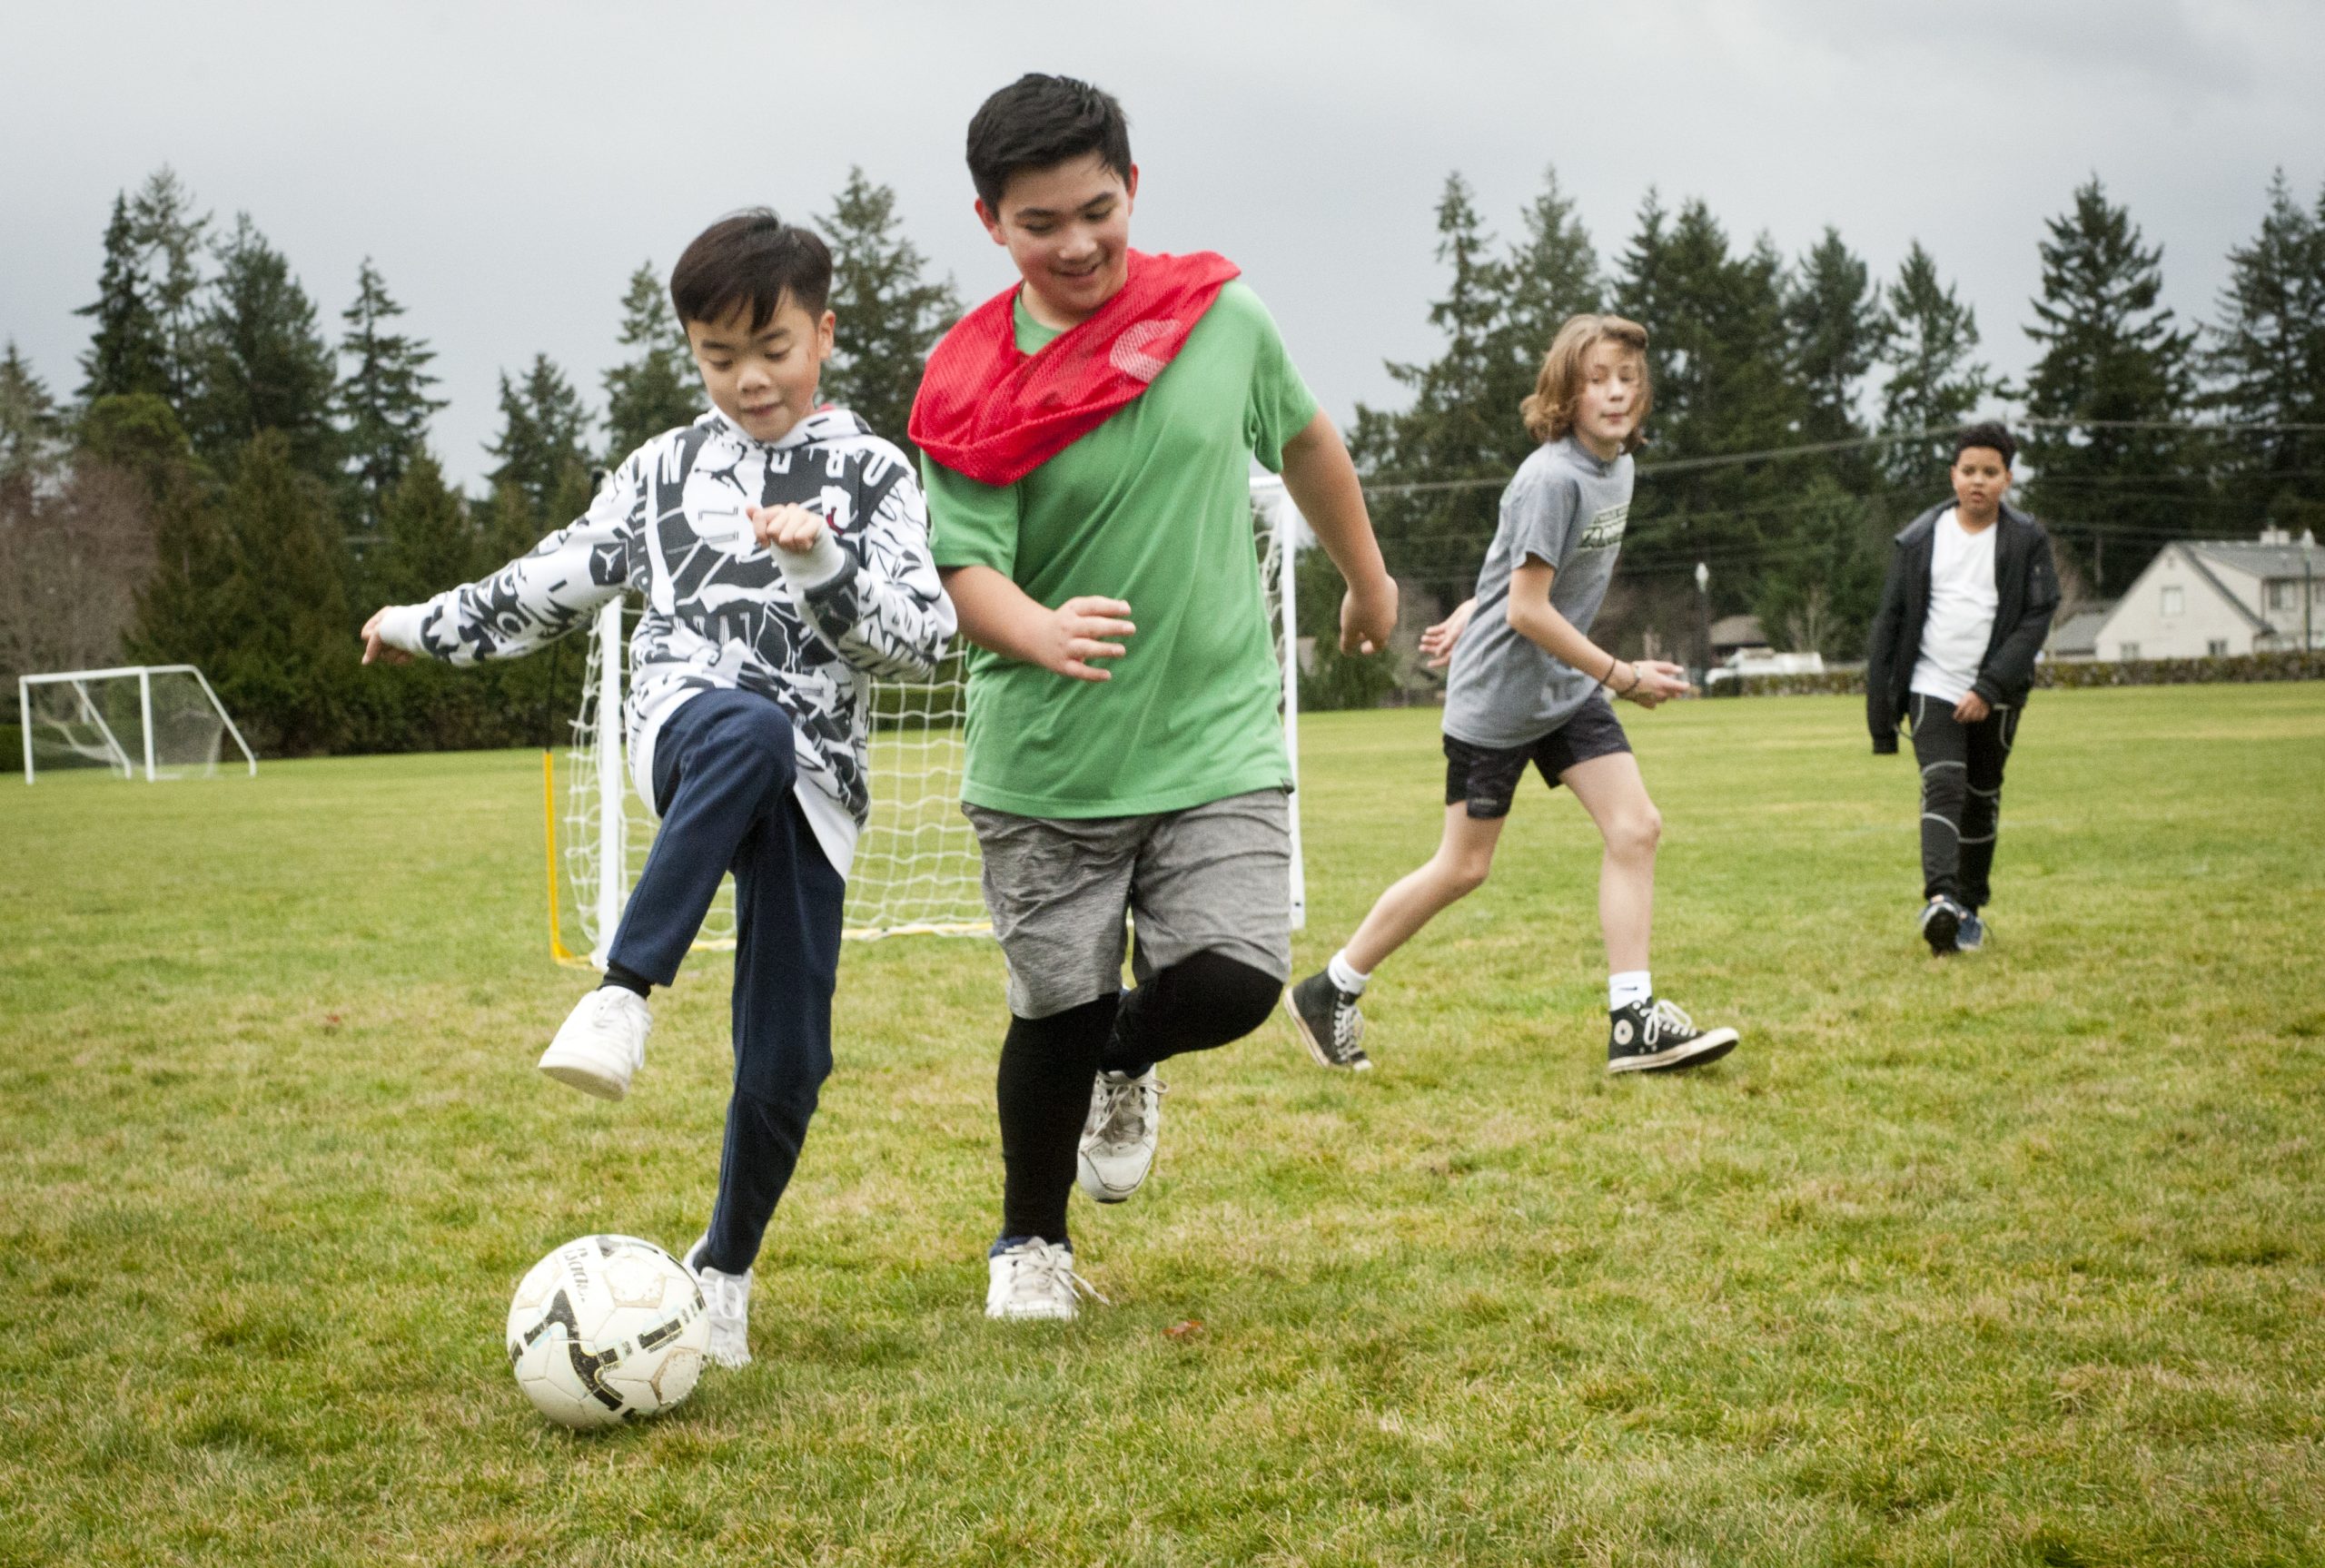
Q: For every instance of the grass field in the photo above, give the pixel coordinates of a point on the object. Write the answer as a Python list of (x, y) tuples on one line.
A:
[(2017, 1258)]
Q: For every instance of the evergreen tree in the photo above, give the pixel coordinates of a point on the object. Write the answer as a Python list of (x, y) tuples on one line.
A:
[(183, 615), (1934, 383), (1435, 537), (2111, 359), (2267, 357), (169, 239), (126, 352), (1549, 275), (1836, 328), (658, 388), (544, 441), (287, 655), (32, 431), (383, 402), (264, 364), (890, 313), (426, 545)]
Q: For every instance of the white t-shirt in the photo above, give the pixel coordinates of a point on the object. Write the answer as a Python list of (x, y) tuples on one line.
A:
[(1962, 598)]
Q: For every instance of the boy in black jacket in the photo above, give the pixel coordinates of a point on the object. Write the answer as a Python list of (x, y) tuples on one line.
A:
[(1969, 600)]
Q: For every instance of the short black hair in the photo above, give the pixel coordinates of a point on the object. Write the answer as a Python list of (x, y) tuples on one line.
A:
[(1039, 121), (751, 256), (1990, 434)]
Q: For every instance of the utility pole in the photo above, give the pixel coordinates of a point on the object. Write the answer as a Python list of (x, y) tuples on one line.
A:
[(1703, 606), (2308, 591)]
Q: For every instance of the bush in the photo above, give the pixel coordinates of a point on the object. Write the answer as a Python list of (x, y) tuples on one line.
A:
[(2242, 669)]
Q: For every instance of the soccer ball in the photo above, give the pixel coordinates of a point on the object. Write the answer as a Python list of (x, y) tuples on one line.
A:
[(607, 1329)]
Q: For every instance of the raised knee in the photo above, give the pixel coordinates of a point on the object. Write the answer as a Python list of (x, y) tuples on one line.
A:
[(1463, 874)]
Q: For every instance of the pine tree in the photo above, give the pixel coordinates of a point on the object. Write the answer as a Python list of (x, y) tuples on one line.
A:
[(2267, 358), (1449, 431), (32, 431), (890, 313), (383, 402), (1838, 330), (426, 545), (1549, 275), (183, 615), (544, 438), (126, 352), (169, 239), (264, 363), (287, 655), (1934, 383), (658, 388)]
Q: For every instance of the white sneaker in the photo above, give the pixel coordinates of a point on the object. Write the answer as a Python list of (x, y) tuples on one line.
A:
[(1118, 1136), (601, 1042), (727, 1301), (1033, 1281)]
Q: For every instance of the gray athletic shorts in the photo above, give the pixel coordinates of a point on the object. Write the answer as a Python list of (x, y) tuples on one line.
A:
[(1213, 877)]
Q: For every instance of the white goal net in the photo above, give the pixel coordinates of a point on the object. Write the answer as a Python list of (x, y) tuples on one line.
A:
[(917, 865), (139, 721)]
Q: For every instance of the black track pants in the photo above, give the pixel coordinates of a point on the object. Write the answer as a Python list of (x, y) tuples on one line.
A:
[(1961, 766)]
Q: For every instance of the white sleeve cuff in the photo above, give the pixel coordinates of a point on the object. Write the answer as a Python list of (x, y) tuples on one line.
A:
[(818, 566), (400, 627)]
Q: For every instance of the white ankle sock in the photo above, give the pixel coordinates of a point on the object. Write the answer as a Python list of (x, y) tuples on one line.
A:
[(1630, 986), (1344, 975)]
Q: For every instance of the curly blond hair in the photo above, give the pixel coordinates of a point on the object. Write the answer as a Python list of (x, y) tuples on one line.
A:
[(1548, 413)]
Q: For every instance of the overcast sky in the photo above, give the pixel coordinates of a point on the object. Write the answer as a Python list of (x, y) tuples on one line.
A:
[(507, 165)]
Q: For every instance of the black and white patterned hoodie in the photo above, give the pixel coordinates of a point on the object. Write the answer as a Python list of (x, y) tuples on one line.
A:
[(723, 613)]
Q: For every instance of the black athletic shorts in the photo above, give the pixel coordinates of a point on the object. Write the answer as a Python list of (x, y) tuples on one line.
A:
[(1486, 776)]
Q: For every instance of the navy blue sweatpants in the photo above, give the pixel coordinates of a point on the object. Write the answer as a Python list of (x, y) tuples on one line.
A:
[(723, 775)]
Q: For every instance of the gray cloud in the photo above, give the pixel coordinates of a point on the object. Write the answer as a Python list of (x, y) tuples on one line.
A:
[(508, 165)]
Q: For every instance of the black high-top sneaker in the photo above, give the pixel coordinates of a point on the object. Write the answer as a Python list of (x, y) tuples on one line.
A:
[(1942, 921), (1654, 1036), (1329, 1022)]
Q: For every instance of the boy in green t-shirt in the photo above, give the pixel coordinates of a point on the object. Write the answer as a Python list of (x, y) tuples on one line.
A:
[(1088, 436)]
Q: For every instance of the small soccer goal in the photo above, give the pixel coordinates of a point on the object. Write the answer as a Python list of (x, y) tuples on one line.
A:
[(917, 865), (139, 721)]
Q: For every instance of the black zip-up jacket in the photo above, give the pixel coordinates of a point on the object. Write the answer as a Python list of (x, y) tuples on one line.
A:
[(2027, 594)]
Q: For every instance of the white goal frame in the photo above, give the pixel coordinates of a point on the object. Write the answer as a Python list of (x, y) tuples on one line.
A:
[(595, 804), (120, 760)]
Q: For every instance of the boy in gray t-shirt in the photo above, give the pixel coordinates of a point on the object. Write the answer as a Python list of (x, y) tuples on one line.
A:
[(1529, 685)]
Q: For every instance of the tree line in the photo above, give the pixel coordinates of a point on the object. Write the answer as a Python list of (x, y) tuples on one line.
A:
[(232, 488), (1752, 350)]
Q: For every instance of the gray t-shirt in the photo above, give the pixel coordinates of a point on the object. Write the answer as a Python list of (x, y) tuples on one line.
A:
[(1566, 509)]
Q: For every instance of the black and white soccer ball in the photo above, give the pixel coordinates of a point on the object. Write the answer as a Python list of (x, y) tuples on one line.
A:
[(607, 1329)]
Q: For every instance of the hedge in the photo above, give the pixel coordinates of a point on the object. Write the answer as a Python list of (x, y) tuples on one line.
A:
[(2240, 670)]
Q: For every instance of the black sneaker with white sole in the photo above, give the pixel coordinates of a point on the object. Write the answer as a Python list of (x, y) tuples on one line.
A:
[(1942, 921), (1654, 1036), (1328, 1021)]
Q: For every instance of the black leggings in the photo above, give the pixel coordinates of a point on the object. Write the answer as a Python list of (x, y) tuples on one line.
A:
[(1047, 1064), (1960, 796)]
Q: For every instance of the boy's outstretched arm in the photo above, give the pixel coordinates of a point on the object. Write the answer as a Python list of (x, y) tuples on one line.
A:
[(530, 602), (1323, 484), (1646, 682)]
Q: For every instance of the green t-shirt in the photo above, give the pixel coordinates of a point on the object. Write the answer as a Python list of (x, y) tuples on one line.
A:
[(1152, 506)]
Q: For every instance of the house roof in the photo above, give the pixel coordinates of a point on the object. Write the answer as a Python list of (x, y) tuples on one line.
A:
[(2259, 560), (2080, 630), (2195, 552), (1737, 631)]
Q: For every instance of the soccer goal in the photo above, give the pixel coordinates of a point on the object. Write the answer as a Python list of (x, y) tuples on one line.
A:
[(917, 865), (157, 721)]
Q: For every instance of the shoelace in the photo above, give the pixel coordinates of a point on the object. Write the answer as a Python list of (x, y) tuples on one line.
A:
[(1112, 1099), (609, 1013), (1666, 1016), (1348, 1026), (728, 1295), (1043, 1270)]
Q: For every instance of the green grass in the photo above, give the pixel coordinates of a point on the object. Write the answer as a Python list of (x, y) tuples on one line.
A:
[(2011, 1259)]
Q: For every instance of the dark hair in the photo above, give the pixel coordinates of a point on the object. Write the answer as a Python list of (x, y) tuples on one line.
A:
[(751, 256), (1039, 121), (1991, 435)]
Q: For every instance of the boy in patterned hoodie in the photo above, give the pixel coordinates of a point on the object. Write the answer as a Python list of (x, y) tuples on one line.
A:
[(781, 549)]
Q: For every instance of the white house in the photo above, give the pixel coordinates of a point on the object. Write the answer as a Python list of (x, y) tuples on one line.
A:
[(2215, 598)]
